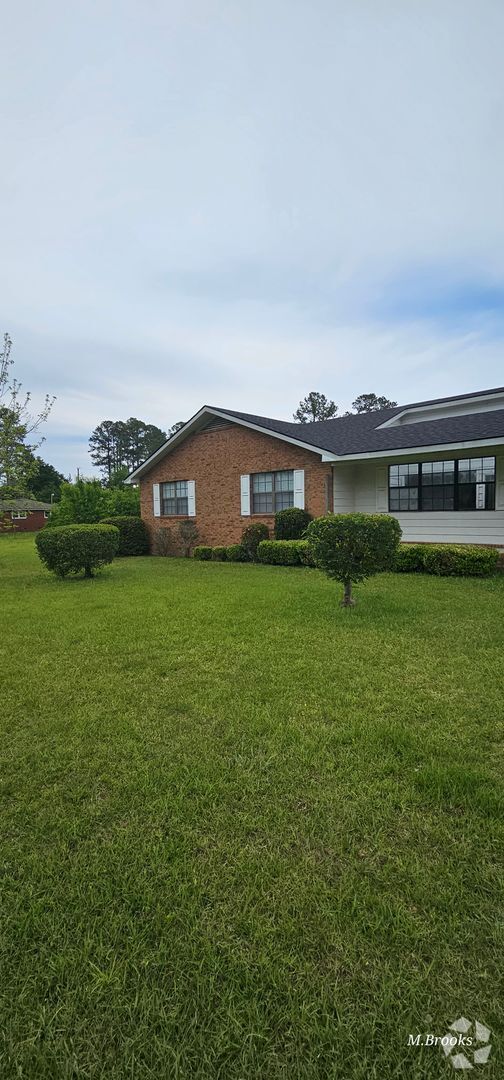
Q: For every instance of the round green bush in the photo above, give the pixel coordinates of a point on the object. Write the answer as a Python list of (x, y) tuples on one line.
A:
[(133, 534), (352, 547), (69, 549), (219, 554), (252, 537), (291, 524), (236, 553), (203, 552)]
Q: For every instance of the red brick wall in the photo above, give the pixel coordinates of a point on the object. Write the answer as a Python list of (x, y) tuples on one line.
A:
[(32, 523), (216, 460)]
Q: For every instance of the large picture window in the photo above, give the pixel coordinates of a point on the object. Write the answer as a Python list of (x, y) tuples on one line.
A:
[(272, 491), (464, 484), (174, 501)]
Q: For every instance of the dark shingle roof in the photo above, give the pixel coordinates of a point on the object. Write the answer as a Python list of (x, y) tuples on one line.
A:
[(362, 433)]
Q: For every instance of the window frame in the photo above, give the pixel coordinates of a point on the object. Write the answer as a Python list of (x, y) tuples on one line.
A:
[(277, 493), (19, 515), (178, 499), (457, 485)]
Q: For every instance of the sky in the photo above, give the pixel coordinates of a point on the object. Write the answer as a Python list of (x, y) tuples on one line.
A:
[(223, 203)]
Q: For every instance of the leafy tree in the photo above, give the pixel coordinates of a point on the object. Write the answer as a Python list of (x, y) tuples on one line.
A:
[(46, 481), (352, 547), (176, 427), (371, 403), (17, 423), (313, 407), (121, 501), (82, 503), (117, 445)]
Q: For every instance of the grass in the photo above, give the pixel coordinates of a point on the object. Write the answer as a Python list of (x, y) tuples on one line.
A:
[(246, 834)]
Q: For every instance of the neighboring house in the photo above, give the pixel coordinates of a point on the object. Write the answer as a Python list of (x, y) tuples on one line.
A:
[(438, 466), (23, 515)]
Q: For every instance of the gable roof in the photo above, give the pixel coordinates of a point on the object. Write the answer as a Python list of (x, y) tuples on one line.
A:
[(361, 434), (24, 504)]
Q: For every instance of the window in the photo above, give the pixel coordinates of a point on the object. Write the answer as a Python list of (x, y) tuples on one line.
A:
[(46, 513), (403, 487), (19, 515), (272, 492), (174, 499), (467, 484), (476, 484)]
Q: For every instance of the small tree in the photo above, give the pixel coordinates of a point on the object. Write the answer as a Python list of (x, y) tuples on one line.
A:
[(188, 536), (371, 403), (72, 548), (353, 547), (313, 407)]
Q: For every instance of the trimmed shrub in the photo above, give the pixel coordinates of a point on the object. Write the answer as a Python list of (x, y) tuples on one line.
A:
[(236, 553), (447, 560), (352, 547), (68, 549), (409, 558), (279, 552), (203, 553), (291, 524), (219, 554), (252, 537), (133, 534), (306, 556)]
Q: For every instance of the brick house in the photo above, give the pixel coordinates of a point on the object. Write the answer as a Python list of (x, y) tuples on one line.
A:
[(23, 515), (438, 466)]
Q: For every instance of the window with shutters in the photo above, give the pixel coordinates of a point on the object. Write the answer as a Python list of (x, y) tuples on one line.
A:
[(272, 491), (464, 484), (174, 498)]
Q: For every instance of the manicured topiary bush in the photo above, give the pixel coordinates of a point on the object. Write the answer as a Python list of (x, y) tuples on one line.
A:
[(252, 537), (219, 554), (236, 553), (69, 549), (352, 547), (133, 534), (203, 553), (447, 560), (291, 524)]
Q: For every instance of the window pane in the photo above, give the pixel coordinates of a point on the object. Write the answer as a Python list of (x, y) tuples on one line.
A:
[(283, 500), (394, 499), (262, 482), (262, 503), (181, 488), (284, 481), (182, 506)]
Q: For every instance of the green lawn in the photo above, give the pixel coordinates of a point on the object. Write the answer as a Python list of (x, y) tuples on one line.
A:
[(246, 834)]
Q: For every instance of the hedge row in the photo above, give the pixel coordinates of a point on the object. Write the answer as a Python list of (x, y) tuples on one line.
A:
[(285, 553), (232, 553), (457, 560)]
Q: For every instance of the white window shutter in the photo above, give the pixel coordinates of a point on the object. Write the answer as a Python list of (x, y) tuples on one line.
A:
[(299, 488), (499, 487), (245, 495), (381, 490), (191, 498), (156, 501)]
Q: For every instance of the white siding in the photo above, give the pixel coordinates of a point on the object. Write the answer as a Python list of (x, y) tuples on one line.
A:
[(463, 527), (344, 488)]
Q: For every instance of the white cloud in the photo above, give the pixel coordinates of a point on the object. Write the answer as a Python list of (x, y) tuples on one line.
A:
[(203, 201)]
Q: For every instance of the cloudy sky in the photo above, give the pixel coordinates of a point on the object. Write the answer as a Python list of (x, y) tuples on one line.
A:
[(232, 203)]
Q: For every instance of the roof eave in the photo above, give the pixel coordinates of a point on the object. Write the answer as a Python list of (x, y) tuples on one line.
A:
[(193, 425), (427, 448)]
